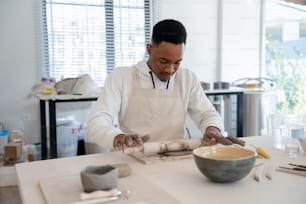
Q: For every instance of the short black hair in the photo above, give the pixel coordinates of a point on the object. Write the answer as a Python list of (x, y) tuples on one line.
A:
[(169, 30)]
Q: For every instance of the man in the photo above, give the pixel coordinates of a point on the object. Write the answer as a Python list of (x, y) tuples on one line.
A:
[(153, 97)]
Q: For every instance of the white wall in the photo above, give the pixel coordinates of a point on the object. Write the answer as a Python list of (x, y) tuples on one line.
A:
[(201, 22), (223, 36), (20, 53), (19, 70), (240, 39)]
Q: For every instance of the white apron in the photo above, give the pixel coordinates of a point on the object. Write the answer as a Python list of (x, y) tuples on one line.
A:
[(156, 112)]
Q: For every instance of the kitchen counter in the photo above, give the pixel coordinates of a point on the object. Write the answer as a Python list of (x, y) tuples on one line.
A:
[(178, 179)]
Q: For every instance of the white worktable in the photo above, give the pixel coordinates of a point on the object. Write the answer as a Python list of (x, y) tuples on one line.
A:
[(179, 179)]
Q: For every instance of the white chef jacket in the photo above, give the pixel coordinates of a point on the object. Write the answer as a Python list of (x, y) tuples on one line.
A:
[(114, 99)]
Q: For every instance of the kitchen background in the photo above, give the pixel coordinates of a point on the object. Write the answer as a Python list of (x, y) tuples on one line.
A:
[(224, 44)]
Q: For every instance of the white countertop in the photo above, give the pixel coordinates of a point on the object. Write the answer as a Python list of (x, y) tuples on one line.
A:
[(211, 91), (8, 176), (233, 90), (179, 179), (64, 97)]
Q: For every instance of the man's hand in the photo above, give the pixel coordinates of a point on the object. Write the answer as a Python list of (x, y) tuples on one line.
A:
[(123, 141), (212, 135)]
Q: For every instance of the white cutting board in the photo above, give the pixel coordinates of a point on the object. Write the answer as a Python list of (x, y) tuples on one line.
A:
[(67, 189)]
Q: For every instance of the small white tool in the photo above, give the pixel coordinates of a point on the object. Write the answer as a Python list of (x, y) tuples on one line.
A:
[(258, 171), (270, 170)]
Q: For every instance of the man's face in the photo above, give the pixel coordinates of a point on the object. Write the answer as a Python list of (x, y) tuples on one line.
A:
[(165, 58)]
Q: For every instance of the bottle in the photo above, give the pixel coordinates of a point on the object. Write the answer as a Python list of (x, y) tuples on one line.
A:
[(3, 140)]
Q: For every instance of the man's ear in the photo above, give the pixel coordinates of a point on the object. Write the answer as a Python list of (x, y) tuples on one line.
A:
[(149, 48)]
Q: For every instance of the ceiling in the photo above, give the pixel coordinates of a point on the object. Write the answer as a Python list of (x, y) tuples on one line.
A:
[(301, 2)]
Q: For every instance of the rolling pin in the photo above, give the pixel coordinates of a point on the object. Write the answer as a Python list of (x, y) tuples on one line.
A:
[(177, 145), (165, 146)]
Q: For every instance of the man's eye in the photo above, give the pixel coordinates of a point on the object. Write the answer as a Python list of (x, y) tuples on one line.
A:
[(163, 62)]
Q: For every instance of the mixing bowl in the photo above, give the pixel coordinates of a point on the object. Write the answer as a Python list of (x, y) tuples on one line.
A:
[(224, 163)]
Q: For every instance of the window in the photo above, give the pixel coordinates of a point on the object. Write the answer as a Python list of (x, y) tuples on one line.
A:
[(286, 53), (93, 36)]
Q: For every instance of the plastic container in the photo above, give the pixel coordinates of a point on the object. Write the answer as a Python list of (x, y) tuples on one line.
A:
[(3, 140), (285, 129), (16, 136), (68, 133)]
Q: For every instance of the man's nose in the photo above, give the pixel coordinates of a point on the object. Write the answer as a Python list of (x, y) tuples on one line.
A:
[(170, 68)]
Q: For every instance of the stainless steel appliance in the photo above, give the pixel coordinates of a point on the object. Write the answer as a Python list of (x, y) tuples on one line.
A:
[(259, 100)]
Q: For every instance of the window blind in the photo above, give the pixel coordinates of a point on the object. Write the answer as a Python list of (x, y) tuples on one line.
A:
[(93, 36)]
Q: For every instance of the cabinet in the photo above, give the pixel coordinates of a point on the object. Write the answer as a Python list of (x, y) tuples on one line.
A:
[(229, 103), (48, 109)]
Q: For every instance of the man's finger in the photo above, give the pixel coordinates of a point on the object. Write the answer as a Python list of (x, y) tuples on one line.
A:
[(129, 141), (136, 140)]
